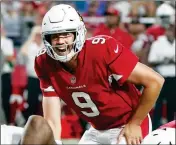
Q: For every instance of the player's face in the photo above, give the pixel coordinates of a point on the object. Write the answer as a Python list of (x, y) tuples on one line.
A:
[(62, 43), (112, 19)]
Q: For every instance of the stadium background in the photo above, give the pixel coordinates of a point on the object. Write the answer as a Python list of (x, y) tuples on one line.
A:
[(20, 25)]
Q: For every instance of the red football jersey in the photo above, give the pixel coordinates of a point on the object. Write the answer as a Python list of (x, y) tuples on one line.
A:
[(97, 91)]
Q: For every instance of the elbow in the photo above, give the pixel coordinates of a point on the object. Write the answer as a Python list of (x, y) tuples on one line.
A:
[(158, 82), (155, 82)]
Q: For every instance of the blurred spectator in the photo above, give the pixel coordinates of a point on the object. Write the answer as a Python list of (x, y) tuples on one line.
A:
[(43, 6), (143, 8), (162, 58), (112, 28), (92, 9), (124, 7), (10, 4), (11, 20), (38, 19), (165, 15), (90, 17), (135, 28), (172, 3), (141, 47), (28, 52), (27, 16), (8, 58)]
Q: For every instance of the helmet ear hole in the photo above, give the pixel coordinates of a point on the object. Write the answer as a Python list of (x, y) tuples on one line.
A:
[(48, 38), (75, 35)]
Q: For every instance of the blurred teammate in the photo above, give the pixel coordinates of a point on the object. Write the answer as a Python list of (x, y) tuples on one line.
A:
[(112, 27), (7, 62), (94, 77), (36, 131), (164, 135), (165, 15)]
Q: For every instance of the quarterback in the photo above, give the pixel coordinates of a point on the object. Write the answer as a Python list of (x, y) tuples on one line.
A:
[(94, 77)]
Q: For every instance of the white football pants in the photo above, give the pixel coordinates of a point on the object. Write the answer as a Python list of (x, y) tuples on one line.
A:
[(93, 136)]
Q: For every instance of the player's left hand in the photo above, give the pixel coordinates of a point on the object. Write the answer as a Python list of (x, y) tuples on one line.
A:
[(132, 134)]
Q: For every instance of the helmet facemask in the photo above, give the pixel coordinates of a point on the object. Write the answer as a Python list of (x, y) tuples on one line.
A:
[(52, 50)]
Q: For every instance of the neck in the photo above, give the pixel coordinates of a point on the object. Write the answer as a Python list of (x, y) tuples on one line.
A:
[(71, 65)]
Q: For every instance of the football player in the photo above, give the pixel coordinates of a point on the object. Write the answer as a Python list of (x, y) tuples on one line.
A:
[(94, 77), (164, 135), (36, 131)]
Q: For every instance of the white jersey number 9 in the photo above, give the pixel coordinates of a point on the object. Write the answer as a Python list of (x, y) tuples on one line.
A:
[(88, 104)]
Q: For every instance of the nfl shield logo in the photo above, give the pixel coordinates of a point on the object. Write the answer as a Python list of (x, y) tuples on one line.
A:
[(73, 79)]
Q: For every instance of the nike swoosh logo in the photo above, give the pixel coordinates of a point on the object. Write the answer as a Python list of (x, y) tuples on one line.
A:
[(116, 50)]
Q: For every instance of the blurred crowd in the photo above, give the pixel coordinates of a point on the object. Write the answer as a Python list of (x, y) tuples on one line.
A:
[(145, 27)]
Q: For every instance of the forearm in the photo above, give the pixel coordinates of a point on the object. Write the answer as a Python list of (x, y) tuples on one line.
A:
[(147, 101), (56, 128), (52, 113)]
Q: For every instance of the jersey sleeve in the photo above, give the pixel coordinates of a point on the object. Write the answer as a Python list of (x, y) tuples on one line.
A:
[(45, 84), (120, 60)]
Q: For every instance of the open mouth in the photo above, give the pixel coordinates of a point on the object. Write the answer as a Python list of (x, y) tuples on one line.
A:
[(62, 50)]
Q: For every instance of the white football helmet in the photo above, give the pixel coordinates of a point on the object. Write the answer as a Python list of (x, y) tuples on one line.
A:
[(165, 14), (59, 19), (164, 136)]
